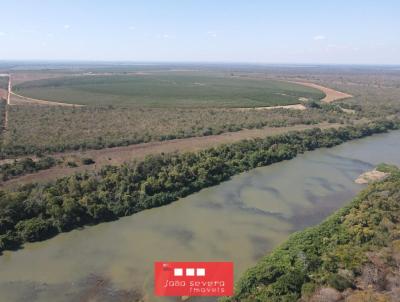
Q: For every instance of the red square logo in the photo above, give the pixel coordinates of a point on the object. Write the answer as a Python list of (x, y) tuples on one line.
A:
[(193, 279)]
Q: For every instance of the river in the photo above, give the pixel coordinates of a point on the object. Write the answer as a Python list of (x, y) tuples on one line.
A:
[(239, 220)]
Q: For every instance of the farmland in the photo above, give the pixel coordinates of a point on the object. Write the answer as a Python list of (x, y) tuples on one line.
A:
[(199, 151), (168, 89), (36, 129), (144, 138), (124, 106), (100, 124)]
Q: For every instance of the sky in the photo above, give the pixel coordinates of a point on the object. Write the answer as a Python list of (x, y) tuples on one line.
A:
[(248, 31)]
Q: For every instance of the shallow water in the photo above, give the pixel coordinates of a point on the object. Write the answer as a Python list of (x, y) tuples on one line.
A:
[(239, 220)]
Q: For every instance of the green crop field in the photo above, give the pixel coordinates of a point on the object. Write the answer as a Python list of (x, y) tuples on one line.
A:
[(169, 89)]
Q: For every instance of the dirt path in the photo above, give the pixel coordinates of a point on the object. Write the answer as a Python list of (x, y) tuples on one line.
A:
[(119, 155), (17, 99), (294, 107), (20, 100), (331, 95)]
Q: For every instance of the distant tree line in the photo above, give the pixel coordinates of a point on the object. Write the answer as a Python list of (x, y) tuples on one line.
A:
[(3, 104), (36, 211), (35, 130), (25, 166)]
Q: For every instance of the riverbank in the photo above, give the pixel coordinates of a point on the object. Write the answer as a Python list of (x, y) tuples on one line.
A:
[(85, 199), (118, 256), (352, 256), (371, 176), (120, 155)]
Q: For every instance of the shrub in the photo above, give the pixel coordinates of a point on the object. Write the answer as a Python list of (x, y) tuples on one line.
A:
[(25, 166), (30, 211), (35, 229), (328, 254), (339, 282), (72, 164), (307, 289), (87, 161)]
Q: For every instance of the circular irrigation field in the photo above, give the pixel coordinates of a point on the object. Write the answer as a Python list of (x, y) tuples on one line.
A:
[(168, 90)]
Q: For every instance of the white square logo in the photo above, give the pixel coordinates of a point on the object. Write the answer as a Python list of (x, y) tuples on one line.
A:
[(190, 272), (200, 271), (178, 272)]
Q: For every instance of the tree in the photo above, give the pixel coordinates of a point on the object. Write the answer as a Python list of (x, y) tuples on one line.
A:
[(35, 229)]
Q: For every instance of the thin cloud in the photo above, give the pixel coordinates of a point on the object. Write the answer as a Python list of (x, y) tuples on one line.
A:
[(165, 36), (131, 27), (319, 37), (67, 26), (2, 33), (212, 34), (28, 31), (341, 48)]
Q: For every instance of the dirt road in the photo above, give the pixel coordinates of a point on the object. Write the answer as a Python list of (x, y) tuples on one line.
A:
[(331, 95), (119, 155), (18, 99)]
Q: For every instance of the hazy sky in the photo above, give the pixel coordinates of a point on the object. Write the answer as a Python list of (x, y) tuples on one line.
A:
[(351, 31)]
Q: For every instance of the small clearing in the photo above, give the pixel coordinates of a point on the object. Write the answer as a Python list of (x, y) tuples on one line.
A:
[(371, 176), (119, 155), (331, 95)]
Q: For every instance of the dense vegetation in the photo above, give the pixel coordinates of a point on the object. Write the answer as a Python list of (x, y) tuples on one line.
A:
[(25, 166), (3, 82), (87, 161), (375, 90), (3, 105), (171, 89), (41, 129), (343, 252), (35, 130), (35, 212)]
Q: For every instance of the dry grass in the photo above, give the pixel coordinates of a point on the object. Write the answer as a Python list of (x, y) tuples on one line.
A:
[(56, 128), (119, 155)]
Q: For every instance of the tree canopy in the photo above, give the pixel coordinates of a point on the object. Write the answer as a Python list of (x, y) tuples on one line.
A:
[(38, 211)]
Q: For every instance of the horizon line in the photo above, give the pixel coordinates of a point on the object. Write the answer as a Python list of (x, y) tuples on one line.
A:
[(194, 62)]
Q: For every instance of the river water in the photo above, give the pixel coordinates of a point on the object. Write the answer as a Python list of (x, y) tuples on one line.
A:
[(239, 220)]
